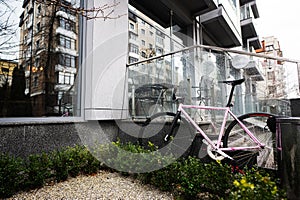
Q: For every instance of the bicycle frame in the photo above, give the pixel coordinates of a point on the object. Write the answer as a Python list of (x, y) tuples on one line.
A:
[(217, 145)]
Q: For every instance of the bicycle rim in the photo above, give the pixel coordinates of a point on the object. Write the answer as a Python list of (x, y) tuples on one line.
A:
[(235, 136)]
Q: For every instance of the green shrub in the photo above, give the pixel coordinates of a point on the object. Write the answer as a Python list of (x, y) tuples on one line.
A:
[(185, 178), (12, 174), (190, 178), (130, 158), (90, 164), (59, 165), (37, 170)]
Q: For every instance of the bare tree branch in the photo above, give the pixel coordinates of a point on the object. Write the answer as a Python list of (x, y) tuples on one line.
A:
[(105, 11), (8, 28)]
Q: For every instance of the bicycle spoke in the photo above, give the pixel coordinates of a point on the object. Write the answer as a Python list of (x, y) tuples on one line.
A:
[(235, 136)]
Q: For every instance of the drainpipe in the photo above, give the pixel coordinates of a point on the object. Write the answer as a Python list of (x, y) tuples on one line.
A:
[(171, 50), (31, 50)]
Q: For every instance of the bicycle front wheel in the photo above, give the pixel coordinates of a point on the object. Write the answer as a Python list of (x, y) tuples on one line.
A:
[(235, 136)]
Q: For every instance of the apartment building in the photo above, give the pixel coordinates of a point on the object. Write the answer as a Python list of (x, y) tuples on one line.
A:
[(49, 55), (7, 69), (273, 70), (274, 85)]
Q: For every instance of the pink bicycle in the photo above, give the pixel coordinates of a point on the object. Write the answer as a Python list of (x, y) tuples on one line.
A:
[(245, 140)]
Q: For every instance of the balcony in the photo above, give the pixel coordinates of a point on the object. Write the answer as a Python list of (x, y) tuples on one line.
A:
[(253, 70), (219, 28), (248, 14)]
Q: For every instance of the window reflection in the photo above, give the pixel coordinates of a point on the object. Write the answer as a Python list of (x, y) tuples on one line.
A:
[(41, 82)]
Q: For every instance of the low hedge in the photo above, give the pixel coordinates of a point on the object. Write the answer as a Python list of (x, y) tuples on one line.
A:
[(18, 174), (186, 178)]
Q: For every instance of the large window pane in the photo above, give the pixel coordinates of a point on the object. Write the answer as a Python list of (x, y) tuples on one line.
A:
[(39, 79)]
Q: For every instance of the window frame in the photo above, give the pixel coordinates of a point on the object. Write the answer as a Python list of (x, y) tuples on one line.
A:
[(79, 82)]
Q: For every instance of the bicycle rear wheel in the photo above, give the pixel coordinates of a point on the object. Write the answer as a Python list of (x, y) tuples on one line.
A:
[(235, 136), (158, 126)]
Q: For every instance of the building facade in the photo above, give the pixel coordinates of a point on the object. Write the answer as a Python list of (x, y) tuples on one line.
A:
[(108, 51), (209, 26), (274, 97), (49, 55)]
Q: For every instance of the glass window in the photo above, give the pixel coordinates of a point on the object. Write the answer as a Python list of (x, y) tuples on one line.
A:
[(132, 60), (66, 42), (35, 81), (159, 40), (39, 9), (132, 36), (66, 24), (37, 44), (131, 26), (66, 78), (38, 26), (133, 48)]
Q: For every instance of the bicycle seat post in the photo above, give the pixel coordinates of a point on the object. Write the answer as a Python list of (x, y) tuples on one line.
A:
[(233, 83)]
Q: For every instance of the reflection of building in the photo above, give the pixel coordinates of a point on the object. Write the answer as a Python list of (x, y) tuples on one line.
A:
[(216, 25), (6, 74), (49, 54), (148, 39), (274, 86), (6, 71)]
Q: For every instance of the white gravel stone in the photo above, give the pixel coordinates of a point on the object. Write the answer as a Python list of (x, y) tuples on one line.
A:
[(103, 185)]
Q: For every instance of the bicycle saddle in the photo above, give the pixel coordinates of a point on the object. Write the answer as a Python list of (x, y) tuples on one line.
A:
[(233, 82)]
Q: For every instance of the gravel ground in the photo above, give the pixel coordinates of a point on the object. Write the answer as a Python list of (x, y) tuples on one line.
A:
[(104, 185)]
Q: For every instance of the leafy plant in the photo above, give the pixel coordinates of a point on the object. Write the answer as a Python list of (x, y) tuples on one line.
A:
[(37, 170), (59, 165), (186, 178), (12, 174), (256, 184)]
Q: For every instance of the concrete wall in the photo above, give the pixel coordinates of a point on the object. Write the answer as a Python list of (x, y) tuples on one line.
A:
[(104, 62)]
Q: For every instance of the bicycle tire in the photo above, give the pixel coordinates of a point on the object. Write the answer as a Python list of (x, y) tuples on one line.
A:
[(257, 123), (180, 139)]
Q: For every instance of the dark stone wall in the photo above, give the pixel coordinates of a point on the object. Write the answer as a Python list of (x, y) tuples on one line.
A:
[(25, 139)]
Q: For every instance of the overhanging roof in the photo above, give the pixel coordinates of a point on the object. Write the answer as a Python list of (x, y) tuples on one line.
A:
[(183, 11), (220, 29), (217, 27)]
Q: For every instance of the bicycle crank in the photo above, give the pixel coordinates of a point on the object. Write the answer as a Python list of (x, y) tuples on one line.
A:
[(214, 153)]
